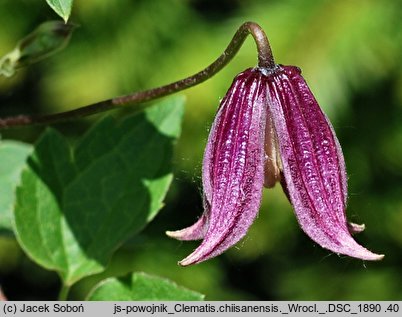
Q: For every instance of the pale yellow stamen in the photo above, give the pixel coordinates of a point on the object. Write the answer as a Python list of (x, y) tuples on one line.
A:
[(273, 163)]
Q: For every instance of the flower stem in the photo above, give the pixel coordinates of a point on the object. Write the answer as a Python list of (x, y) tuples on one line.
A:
[(265, 56), (265, 59)]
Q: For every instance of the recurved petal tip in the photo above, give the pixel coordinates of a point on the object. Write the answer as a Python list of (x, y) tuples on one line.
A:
[(348, 246), (375, 257), (173, 234), (356, 228), (183, 235), (378, 257), (195, 232), (188, 261), (364, 254)]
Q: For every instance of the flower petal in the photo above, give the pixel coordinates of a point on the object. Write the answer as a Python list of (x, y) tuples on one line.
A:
[(233, 173), (195, 232), (198, 230), (313, 164)]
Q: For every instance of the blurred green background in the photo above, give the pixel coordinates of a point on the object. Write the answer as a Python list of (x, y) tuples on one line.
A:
[(350, 53)]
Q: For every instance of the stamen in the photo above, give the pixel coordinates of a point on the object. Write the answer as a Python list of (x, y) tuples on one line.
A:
[(273, 163)]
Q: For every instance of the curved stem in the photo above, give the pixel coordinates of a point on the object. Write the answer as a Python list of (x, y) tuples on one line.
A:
[(265, 60), (265, 56)]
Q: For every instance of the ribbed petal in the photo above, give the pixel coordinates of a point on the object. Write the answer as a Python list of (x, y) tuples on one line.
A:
[(233, 173), (198, 230), (313, 164)]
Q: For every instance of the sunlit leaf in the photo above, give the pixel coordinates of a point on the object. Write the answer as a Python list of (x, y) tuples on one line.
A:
[(141, 287), (77, 204), (12, 160), (61, 7)]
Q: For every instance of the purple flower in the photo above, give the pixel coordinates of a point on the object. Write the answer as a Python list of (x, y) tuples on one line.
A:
[(270, 128)]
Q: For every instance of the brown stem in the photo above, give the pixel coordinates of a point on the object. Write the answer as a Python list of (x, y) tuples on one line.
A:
[(265, 60)]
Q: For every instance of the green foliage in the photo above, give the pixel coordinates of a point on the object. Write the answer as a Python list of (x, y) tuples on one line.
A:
[(46, 40), (141, 287), (12, 160), (77, 204), (61, 7)]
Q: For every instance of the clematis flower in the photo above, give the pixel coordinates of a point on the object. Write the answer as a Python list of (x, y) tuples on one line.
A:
[(269, 128)]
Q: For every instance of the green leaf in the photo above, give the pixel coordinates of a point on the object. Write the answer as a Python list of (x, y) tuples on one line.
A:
[(61, 7), (46, 40), (13, 156), (141, 287), (77, 204)]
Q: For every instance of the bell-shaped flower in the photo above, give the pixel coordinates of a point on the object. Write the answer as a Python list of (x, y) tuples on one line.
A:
[(270, 128)]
